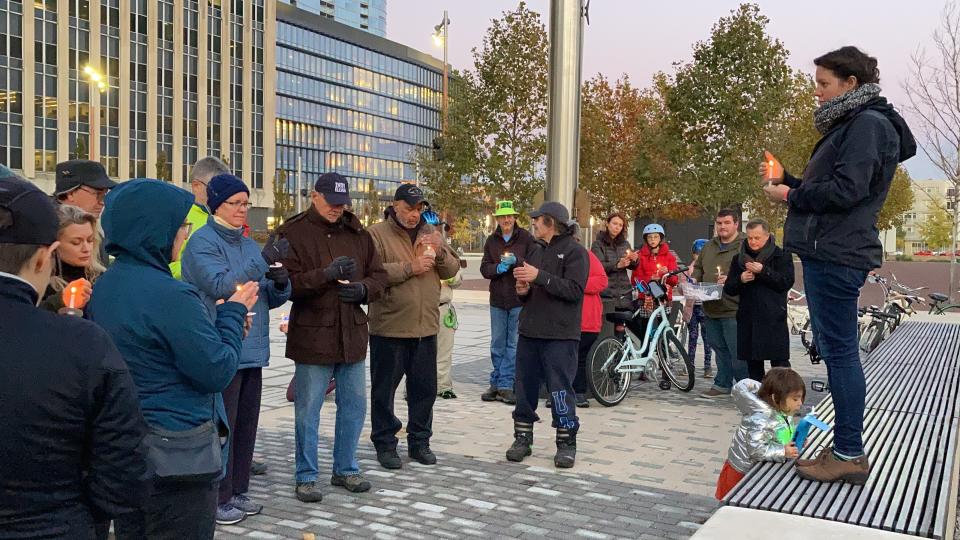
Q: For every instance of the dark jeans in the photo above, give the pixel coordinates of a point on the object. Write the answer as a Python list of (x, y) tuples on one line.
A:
[(756, 369), (587, 339), (241, 399), (553, 361), (694, 326), (832, 294), (390, 360), (174, 511), (722, 335)]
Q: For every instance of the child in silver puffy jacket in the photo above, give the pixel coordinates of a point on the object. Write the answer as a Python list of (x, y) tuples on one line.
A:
[(766, 430)]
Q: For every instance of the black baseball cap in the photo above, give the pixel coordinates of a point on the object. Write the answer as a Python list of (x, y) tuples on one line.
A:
[(334, 188), (553, 209), (27, 215), (410, 194), (81, 172)]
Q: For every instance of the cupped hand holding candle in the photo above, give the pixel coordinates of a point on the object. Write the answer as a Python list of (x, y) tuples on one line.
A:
[(771, 169), (77, 293), (246, 294)]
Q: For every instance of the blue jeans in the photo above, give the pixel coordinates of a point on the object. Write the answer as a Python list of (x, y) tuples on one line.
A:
[(351, 394), (832, 294), (504, 325), (722, 336), (693, 331)]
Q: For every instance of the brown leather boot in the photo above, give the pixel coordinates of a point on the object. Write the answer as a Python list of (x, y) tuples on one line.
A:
[(832, 469), (823, 454)]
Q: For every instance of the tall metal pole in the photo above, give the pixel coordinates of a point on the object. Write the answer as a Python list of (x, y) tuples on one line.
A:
[(446, 74), (94, 117), (297, 192), (563, 121)]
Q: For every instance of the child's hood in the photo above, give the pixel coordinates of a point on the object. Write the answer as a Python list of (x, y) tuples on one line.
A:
[(745, 398)]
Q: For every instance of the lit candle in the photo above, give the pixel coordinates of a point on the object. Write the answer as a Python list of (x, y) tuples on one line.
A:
[(770, 169), (719, 272), (73, 297), (239, 288)]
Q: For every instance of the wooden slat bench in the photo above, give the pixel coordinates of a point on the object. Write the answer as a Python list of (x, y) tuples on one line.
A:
[(910, 433)]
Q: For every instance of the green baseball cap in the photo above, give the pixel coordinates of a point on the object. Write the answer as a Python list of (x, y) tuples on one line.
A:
[(505, 208)]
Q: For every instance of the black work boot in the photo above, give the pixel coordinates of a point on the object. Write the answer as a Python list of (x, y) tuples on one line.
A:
[(522, 441), (490, 394), (566, 454)]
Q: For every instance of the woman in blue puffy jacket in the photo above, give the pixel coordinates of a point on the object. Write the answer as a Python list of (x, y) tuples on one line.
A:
[(216, 260)]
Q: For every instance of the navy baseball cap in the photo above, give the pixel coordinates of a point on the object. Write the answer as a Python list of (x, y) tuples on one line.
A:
[(553, 209), (334, 188), (81, 172), (27, 215), (410, 194)]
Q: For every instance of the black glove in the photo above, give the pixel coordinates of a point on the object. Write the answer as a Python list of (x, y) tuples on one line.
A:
[(352, 293), (275, 250), (280, 277), (341, 268)]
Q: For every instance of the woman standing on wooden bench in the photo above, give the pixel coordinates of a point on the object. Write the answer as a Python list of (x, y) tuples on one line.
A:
[(832, 226)]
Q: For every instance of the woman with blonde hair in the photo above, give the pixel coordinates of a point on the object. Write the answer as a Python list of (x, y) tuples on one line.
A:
[(77, 260)]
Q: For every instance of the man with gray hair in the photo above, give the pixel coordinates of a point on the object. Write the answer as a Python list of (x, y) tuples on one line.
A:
[(201, 173)]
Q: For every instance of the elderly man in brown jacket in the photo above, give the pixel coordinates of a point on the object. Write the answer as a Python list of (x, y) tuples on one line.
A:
[(404, 324), (334, 267)]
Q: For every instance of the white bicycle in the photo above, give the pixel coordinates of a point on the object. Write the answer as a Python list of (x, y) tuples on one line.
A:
[(615, 358)]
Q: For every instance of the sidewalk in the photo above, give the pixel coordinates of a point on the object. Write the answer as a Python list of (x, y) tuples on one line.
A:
[(645, 469)]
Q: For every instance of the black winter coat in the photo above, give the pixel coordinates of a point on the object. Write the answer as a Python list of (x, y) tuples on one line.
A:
[(553, 307), (503, 287), (610, 251), (762, 332), (834, 208), (70, 453)]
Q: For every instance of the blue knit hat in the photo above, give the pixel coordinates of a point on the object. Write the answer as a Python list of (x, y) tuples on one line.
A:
[(222, 187)]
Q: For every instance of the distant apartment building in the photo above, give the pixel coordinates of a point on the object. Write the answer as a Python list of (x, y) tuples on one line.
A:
[(939, 192), (367, 15)]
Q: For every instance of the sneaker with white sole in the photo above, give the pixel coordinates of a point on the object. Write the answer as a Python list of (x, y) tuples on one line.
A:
[(227, 514), (244, 503)]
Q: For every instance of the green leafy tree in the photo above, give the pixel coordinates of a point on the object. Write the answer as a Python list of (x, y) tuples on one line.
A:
[(899, 200), (164, 172), (282, 200), (374, 207), (510, 112), (723, 105), (936, 229)]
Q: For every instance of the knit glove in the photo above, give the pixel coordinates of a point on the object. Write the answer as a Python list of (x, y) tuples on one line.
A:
[(341, 268), (275, 250), (352, 293), (280, 277)]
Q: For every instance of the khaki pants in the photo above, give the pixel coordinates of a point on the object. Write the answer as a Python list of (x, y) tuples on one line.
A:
[(444, 353)]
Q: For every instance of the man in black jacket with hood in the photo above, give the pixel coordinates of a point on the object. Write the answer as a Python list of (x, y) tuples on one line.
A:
[(832, 225), (550, 284), (70, 454)]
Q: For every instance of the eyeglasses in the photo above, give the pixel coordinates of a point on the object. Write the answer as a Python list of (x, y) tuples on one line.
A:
[(238, 204), (98, 193)]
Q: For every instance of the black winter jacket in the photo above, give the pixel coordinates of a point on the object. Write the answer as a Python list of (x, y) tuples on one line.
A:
[(610, 251), (762, 332), (552, 308), (71, 449), (833, 210), (503, 287)]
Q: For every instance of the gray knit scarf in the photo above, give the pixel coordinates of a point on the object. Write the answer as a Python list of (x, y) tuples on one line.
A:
[(828, 113)]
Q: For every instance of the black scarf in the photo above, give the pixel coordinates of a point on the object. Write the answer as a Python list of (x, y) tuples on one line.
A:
[(827, 114), (761, 256)]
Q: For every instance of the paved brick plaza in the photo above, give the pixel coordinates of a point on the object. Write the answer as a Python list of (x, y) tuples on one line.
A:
[(645, 469)]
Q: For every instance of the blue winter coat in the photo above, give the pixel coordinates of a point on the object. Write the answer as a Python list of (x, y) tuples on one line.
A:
[(179, 358), (216, 260)]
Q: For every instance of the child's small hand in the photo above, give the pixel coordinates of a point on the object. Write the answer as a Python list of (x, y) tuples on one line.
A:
[(791, 451)]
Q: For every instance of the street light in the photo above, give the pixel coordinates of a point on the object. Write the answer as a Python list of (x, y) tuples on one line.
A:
[(97, 84), (440, 35)]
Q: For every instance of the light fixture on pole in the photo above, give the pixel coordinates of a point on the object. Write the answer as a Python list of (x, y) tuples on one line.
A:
[(440, 34), (97, 84)]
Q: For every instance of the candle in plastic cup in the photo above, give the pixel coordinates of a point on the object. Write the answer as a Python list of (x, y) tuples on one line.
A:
[(73, 297), (770, 169), (719, 272), (429, 251)]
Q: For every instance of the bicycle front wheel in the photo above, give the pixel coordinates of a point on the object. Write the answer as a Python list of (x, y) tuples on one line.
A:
[(607, 385), (674, 360)]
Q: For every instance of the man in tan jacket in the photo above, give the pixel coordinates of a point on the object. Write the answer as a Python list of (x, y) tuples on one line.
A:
[(404, 324)]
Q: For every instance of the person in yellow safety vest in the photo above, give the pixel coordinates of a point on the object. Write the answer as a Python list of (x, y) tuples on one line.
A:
[(201, 173)]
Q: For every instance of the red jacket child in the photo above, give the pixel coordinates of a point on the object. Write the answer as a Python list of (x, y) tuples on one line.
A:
[(651, 266), (592, 318)]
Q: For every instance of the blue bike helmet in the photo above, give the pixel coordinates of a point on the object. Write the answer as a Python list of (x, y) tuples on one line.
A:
[(698, 244), (653, 228)]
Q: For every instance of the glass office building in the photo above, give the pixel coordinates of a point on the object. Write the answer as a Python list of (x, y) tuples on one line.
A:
[(353, 103), (367, 15), (186, 78)]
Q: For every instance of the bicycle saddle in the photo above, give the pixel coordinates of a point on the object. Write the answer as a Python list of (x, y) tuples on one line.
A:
[(620, 317), (938, 297)]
